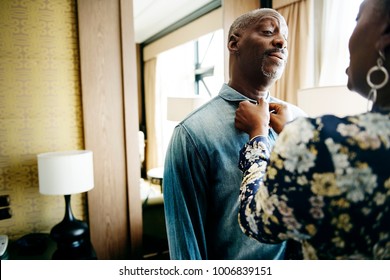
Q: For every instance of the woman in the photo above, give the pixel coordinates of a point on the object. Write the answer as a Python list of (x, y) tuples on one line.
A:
[(326, 182)]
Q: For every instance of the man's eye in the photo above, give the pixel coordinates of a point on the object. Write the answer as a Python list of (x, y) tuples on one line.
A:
[(267, 32)]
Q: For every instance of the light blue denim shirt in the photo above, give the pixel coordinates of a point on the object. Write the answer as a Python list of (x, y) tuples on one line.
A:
[(202, 183)]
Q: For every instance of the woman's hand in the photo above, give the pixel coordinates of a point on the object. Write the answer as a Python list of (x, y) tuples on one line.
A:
[(256, 119), (253, 119), (280, 115)]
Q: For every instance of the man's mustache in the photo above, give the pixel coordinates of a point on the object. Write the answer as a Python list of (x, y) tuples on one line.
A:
[(281, 53)]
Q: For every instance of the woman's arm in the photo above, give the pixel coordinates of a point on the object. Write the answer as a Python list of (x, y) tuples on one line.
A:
[(276, 197)]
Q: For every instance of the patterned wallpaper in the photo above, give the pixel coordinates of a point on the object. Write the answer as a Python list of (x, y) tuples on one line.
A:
[(40, 107)]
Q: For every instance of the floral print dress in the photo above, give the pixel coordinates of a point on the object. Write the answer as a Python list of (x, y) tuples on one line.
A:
[(326, 184)]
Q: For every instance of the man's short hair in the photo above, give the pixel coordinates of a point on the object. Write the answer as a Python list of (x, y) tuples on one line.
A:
[(242, 22)]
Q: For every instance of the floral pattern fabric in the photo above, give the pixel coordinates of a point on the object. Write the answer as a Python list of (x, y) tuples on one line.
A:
[(326, 184)]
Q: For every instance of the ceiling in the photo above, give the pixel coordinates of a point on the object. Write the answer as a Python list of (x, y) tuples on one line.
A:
[(153, 16)]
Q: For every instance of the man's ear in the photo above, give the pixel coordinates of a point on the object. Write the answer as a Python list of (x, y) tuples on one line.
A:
[(233, 44)]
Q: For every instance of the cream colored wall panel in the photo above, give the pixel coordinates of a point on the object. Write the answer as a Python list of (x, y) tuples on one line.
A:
[(107, 60)]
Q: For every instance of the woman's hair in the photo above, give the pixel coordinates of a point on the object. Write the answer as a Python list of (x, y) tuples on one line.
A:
[(384, 6)]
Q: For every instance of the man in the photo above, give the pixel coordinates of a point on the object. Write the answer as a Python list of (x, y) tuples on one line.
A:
[(201, 175)]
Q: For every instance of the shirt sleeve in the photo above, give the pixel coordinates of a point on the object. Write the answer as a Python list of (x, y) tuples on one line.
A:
[(277, 202), (184, 198)]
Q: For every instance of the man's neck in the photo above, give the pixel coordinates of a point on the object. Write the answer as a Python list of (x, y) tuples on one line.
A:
[(250, 91)]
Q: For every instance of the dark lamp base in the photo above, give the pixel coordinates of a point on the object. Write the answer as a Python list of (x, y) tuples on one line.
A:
[(70, 234), (72, 237)]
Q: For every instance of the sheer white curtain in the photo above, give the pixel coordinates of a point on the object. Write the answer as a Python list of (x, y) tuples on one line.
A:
[(318, 44), (338, 21), (151, 113), (298, 73)]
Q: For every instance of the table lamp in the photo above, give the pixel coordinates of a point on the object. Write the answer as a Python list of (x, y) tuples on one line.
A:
[(66, 173), (319, 101)]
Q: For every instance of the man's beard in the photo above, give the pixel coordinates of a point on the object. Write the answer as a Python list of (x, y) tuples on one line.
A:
[(280, 65), (276, 74)]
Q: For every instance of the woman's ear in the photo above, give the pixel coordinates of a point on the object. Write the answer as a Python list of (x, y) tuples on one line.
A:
[(233, 44), (384, 39)]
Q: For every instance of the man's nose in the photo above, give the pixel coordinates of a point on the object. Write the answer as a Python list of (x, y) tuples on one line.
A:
[(280, 42)]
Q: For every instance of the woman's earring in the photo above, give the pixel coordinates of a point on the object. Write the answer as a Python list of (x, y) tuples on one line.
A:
[(378, 67)]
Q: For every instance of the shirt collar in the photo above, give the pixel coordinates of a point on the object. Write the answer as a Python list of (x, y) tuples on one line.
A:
[(230, 94)]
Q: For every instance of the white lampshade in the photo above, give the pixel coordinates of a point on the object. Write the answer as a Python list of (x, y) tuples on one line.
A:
[(68, 172), (335, 100), (179, 107)]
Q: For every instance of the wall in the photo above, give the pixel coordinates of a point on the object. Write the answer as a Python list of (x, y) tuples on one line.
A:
[(40, 106), (110, 111)]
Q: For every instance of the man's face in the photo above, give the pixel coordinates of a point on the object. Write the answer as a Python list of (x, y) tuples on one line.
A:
[(263, 47)]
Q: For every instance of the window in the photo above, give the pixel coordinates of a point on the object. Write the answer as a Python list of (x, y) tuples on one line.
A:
[(193, 68), (209, 63)]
